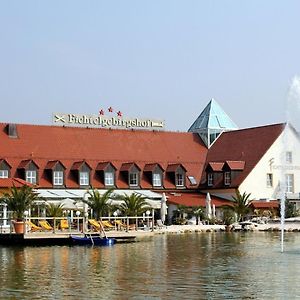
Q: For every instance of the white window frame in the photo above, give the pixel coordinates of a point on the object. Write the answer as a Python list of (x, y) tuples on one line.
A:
[(109, 179), (3, 173), (289, 183), (84, 178), (58, 177), (210, 179), (31, 176), (156, 179), (227, 178), (179, 179), (269, 180), (133, 179), (289, 157)]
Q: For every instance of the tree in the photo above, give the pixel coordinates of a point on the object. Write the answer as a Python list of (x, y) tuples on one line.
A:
[(199, 213), (99, 203), (241, 204), (133, 205), (228, 216), (18, 200), (54, 210)]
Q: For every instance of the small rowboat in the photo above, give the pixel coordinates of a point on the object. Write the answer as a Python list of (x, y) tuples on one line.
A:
[(92, 240)]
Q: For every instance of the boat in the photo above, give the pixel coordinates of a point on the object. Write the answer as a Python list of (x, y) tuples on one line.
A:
[(92, 240)]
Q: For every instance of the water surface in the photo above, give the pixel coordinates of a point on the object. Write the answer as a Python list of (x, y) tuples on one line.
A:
[(175, 266)]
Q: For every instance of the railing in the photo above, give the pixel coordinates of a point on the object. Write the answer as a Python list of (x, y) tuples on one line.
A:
[(75, 225)]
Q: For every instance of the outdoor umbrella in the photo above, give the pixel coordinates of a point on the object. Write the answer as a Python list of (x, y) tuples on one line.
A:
[(208, 206), (163, 208)]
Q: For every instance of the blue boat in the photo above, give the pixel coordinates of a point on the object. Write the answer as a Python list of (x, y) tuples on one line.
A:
[(92, 240)]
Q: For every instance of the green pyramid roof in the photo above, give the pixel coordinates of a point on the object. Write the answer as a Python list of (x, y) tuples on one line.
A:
[(213, 117)]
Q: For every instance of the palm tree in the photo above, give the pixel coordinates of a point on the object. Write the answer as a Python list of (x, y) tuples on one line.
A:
[(99, 203), (133, 205), (199, 213), (54, 210), (18, 200), (241, 204)]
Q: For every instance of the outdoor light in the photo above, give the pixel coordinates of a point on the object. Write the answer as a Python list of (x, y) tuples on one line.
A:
[(148, 213), (115, 213), (26, 213), (77, 213), (86, 214)]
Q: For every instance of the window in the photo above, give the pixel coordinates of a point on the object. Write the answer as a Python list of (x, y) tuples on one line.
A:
[(269, 180), (133, 179), (83, 178), (192, 180), (289, 183), (31, 177), (179, 180), (227, 178), (109, 178), (58, 177), (289, 157), (3, 173), (156, 179), (210, 179)]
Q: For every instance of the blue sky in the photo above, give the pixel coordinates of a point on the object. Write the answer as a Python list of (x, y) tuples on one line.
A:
[(157, 59)]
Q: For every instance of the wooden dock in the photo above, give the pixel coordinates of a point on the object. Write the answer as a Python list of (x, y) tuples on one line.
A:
[(63, 238)]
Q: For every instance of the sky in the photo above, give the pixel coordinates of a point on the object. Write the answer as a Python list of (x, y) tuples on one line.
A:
[(149, 59)]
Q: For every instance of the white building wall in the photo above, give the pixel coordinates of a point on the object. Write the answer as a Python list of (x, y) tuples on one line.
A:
[(274, 162)]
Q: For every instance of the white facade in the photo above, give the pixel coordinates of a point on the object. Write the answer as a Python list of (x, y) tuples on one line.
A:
[(278, 171)]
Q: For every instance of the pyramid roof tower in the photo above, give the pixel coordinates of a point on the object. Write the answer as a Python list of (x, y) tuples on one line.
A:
[(211, 123)]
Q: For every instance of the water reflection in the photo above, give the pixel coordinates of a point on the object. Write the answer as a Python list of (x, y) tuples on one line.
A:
[(183, 266)]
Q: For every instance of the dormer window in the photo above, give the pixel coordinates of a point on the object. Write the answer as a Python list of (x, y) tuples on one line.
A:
[(156, 179), (154, 174), (28, 170), (131, 174), (84, 178), (83, 171), (179, 179), (4, 169), (58, 177), (106, 173), (133, 179), (31, 176), (176, 173), (109, 179), (227, 178), (210, 179), (55, 172)]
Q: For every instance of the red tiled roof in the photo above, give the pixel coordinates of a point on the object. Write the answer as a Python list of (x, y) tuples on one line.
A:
[(24, 163), (72, 144), (174, 167), (256, 204), (10, 182), (248, 145), (77, 165), (52, 163), (194, 199), (216, 166), (151, 167), (103, 165), (235, 165)]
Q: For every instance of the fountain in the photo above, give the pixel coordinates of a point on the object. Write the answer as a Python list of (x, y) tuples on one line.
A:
[(292, 108)]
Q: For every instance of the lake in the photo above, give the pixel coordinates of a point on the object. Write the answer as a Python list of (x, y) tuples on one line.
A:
[(219, 265)]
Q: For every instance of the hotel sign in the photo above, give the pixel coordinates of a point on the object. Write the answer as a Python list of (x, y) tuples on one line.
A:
[(101, 121)]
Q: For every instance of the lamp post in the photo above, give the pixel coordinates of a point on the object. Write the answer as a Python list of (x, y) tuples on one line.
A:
[(77, 215), (86, 215), (26, 213), (148, 214), (115, 215)]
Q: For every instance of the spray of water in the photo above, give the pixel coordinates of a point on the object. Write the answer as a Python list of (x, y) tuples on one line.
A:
[(292, 117)]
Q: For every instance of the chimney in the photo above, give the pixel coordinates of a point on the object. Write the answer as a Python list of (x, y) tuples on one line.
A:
[(11, 130)]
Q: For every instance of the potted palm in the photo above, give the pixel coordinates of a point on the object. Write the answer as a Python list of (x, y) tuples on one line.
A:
[(19, 200)]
